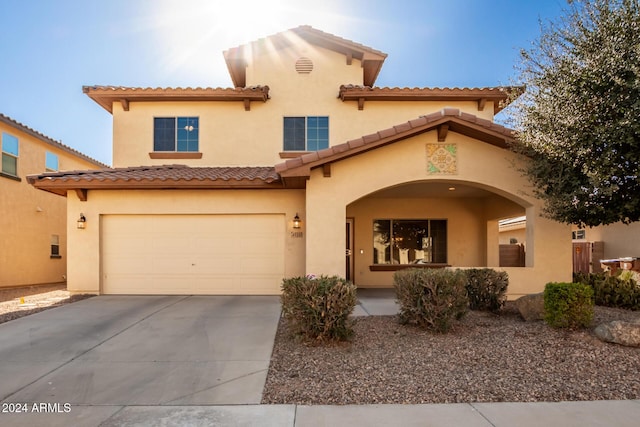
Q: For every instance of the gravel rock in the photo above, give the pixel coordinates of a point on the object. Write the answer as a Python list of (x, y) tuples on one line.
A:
[(531, 307), (619, 332), (485, 358)]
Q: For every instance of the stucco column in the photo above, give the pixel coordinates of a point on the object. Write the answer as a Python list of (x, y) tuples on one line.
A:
[(325, 225), (493, 243), (83, 250)]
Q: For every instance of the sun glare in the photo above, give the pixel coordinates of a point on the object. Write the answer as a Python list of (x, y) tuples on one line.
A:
[(191, 35)]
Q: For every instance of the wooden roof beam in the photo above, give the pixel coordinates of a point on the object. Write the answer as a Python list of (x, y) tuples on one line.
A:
[(82, 194), (443, 130)]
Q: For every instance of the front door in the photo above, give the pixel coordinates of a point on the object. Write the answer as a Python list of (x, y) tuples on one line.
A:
[(349, 250)]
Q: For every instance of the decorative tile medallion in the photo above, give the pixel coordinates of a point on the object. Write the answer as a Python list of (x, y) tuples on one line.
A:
[(442, 159)]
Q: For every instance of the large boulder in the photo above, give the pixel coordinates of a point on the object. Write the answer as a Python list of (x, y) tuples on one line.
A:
[(531, 307), (619, 332)]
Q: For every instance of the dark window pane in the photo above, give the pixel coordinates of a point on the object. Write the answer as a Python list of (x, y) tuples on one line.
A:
[(439, 236), (164, 134), (382, 241), (409, 240), (294, 134), (9, 165)]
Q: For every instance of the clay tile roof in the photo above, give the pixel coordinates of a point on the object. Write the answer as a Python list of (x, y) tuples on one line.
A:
[(168, 176), (371, 59), (457, 121), (500, 96), (105, 96), (42, 137)]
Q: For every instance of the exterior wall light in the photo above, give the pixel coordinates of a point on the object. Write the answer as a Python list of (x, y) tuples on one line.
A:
[(82, 222), (296, 221)]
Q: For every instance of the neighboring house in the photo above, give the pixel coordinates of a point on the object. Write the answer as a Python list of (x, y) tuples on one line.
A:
[(209, 184), (33, 229), (613, 241)]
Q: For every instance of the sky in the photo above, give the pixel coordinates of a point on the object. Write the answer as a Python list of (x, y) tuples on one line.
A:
[(51, 48)]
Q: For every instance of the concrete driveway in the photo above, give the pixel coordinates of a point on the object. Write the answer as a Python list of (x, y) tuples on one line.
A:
[(140, 350)]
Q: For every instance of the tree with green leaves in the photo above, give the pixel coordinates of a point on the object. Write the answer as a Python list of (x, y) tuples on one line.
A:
[(579, 118)]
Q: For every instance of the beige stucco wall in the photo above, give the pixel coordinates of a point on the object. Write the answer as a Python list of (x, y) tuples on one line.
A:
[(229, 135), (620, 240), (520, 234), (84, 271), (478, 164), (29, 217)]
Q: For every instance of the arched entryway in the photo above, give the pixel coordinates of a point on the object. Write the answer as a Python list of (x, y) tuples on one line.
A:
[(426, 224)]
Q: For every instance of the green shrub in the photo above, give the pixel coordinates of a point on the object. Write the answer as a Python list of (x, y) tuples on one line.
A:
[(486, 288), (318, 308), (431, 298), (620, 291), (568, 305)]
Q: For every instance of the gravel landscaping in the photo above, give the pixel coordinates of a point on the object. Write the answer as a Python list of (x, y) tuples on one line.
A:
[(20, 302), (485, 358)]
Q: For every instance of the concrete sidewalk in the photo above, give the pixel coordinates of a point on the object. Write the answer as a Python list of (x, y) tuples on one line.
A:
[(562, 414)]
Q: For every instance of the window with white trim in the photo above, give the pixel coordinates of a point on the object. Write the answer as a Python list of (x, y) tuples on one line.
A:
[(309, 133), (51, 162), (55, 246), (9, 154)]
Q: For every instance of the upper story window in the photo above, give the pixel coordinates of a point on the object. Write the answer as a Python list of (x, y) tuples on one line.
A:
[(9, 154), (306, 133), (51, 162), (177, 134)]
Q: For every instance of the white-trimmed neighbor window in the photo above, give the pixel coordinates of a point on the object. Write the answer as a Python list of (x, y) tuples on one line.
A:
[(9, 154), (55, 246), (51, 162), (309, 133), (175, 134)]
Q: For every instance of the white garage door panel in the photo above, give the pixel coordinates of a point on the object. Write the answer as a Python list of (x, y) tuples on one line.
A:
[(193, 254)]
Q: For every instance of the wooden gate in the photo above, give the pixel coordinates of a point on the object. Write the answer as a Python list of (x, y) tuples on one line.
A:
[(581, 257)]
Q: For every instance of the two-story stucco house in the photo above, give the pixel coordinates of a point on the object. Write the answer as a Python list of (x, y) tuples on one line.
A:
[(303, 167), (33, 224)]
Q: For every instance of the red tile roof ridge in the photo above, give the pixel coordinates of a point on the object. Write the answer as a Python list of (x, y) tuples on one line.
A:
[(21, 126), (255, 88), (324, 33), (424, 89), (312, 30), (163, 173)]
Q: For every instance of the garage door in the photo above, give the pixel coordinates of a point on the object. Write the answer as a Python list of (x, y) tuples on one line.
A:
[(192, 254)]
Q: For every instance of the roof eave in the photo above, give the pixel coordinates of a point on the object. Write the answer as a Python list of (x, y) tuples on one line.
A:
[(107, 96), (58, 186), (501, 97)]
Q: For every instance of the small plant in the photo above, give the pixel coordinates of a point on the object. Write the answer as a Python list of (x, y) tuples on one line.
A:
[(568, 305), (620, 291), (486, 288), (431, 298), (318, 308)]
